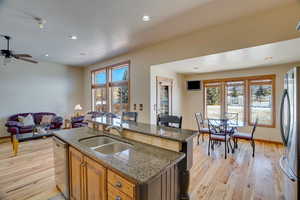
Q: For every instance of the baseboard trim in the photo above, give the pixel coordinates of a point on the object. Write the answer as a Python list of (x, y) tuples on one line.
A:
[(258, 140), (268, 141)]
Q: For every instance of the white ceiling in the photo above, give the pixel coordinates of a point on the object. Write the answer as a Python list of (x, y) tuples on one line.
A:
[(264, 55), (106, 28)]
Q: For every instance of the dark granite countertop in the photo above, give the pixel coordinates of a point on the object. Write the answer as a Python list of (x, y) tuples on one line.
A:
[(142, 162), (180, 135)]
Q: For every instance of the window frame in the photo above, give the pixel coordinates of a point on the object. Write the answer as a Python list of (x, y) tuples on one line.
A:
[(109, 84), (247, 96), (217, 85), (272, 125)]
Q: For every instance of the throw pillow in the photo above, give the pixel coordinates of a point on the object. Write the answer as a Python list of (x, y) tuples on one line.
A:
[(46, 119), (26, 121), (87, 117)]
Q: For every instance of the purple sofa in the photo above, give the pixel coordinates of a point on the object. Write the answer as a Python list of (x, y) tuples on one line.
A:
[(16, 127)]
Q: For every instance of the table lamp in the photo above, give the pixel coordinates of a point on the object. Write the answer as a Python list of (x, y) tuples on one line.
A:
[(77, 109)]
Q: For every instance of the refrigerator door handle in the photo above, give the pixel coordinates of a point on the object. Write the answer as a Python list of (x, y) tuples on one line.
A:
[(286, 171), (285, 95)]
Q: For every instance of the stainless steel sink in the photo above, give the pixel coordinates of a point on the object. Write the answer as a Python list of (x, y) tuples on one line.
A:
[(95, 142), (105, 145), (113, 148)]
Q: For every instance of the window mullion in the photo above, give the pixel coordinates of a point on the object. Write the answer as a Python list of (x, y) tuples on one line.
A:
[(247, 102), (223, 99), (108, 90)]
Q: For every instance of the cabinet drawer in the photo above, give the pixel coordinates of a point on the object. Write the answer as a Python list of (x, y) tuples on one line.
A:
[(115, 194), (121, 184)]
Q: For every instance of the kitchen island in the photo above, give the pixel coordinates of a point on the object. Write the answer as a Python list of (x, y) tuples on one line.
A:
[(177, 140), (141, 172)]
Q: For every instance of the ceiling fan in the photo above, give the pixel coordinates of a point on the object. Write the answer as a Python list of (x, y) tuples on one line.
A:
[(8, 54)]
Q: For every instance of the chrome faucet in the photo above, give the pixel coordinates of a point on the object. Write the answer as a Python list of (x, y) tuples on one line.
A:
[(119, 129)]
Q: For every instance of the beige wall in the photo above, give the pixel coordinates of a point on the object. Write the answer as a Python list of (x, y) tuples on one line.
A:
[(194, 99), (177, 91), (275, 25), (36, 88)]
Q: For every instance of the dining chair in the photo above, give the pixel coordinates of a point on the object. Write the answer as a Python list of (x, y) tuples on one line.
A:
[(218, 132), (110, 115), (201, 127), (169, 121), (246, 136), (96, 113), (130, 116)]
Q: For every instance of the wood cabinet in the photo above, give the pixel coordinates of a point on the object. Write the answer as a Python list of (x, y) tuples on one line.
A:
[(120, 184), (87, 178), (95, 181), (115, 194), (75, 172), (91, 181)]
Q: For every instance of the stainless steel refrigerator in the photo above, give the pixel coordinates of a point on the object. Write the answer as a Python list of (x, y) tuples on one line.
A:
[(290, 132)]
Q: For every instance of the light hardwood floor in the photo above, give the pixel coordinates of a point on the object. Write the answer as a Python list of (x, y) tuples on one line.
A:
[(30, 175)]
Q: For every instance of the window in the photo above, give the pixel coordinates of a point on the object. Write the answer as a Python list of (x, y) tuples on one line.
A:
[(110, 89), (243, 99), (235, 100), (213, 100), (119, 99), (261, 102)]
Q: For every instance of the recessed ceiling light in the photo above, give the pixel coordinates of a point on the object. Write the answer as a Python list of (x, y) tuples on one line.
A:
[(46, 55), (146, 18), (268, 58), (73, 37)]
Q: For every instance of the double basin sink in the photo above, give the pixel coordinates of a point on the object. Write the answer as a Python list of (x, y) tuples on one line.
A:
[(105, 145)]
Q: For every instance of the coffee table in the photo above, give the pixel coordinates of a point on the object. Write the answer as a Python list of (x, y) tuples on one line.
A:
[(29, 136)]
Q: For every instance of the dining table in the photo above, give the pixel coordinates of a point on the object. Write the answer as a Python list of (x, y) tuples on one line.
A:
[(220, 124)]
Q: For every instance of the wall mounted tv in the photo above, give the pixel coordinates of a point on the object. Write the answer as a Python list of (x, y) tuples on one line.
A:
[(193, 85)]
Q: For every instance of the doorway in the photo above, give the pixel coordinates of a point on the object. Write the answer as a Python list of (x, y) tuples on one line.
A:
[(164, 87)]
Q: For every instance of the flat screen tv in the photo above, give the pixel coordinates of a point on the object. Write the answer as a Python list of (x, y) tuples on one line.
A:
[(193, 85)]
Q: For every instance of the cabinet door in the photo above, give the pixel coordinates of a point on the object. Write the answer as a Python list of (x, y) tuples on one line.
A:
[(95, 181), (75, 171)]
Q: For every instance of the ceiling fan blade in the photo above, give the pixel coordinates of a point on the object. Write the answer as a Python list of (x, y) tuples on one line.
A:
[(23, 55), (27, 60)]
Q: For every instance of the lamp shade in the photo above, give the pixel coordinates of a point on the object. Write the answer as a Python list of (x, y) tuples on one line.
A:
[(78, 107)]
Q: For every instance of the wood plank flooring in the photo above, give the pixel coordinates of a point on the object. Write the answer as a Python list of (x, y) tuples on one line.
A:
[(30, 175), (240, 176)]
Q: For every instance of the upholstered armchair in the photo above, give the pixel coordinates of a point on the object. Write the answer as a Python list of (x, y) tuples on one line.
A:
[(79, 121)]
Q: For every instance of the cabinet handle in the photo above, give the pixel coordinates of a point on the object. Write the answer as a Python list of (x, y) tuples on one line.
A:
[(118, 184), (118, 198)]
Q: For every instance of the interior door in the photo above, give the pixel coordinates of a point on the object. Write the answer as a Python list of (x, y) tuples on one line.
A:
[(164, 87)]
